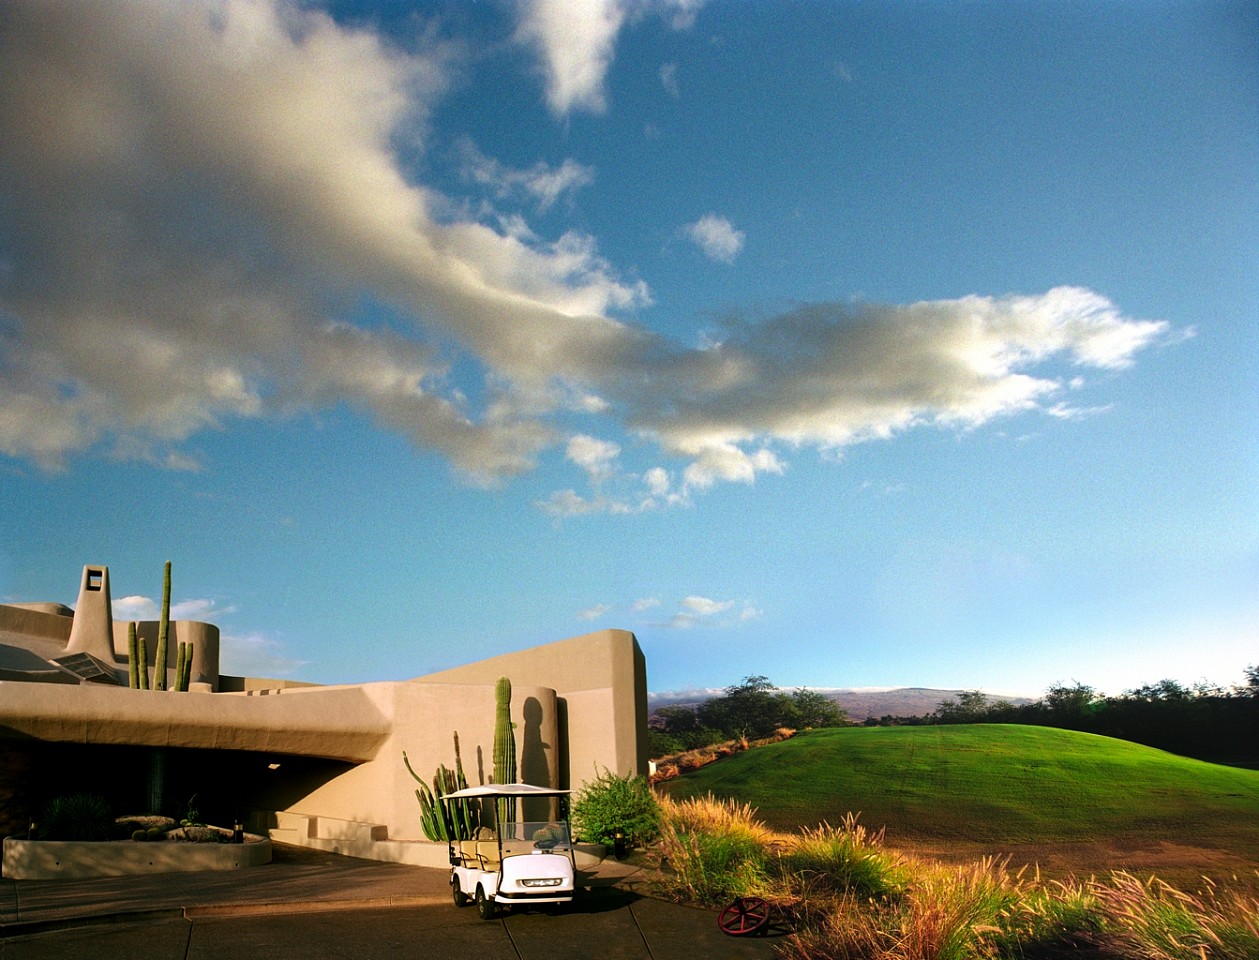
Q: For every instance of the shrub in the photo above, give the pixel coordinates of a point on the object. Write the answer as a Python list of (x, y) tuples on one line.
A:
[(715, 850), (610, 803), (79, 816), (846, 859)]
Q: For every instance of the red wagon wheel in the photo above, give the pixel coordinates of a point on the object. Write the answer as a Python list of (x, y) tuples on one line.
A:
[(746, 915)]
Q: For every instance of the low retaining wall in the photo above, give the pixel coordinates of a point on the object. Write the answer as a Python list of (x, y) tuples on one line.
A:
[(370, 842), (74, 860)]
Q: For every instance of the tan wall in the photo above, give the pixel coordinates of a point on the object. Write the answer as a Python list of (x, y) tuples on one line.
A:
[(35, 620), (424, 718), (601, 681), (340, 723)]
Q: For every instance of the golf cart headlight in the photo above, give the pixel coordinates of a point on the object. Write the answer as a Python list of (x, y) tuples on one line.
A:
[(546, 882)]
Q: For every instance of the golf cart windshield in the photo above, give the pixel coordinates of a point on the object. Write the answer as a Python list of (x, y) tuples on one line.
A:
[(534, 836)]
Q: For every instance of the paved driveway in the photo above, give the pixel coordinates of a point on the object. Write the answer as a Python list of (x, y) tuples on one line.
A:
[(606, 925)]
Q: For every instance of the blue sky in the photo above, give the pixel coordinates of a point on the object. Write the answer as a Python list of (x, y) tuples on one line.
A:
[(852, 344)]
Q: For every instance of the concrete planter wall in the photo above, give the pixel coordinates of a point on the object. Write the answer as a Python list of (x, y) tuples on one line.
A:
[(72, 860)]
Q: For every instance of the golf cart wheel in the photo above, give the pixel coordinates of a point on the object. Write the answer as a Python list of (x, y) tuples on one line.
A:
[(461, 898), (484, 905), (745, 916)]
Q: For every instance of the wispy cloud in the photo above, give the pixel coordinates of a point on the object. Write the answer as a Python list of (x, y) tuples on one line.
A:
[(146, 608), (698, 611), (541, 184), (716, 237), (255, 655), (205, 191), (595, 612), (576, 43), (669, 79)]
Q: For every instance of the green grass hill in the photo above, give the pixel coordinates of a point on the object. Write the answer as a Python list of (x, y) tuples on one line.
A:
[(988, 783)]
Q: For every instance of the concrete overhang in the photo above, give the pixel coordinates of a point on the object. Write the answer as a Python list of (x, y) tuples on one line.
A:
[(337, 723)]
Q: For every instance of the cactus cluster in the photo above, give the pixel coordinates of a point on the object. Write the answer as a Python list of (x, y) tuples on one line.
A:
[(455, 820), (137, 655), (137, 660)]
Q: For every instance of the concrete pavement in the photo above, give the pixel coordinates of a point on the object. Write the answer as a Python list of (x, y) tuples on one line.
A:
[(313, 905)]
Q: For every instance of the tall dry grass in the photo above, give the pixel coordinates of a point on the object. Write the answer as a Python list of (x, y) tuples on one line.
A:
[(850, 898)]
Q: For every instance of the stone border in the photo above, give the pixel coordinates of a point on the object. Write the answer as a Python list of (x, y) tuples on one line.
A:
[(81, 860)]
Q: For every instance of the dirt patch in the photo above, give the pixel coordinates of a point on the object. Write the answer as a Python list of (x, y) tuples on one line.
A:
[(1185, 866)]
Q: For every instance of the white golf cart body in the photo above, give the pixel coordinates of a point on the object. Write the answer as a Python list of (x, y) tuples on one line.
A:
[(516, 862)]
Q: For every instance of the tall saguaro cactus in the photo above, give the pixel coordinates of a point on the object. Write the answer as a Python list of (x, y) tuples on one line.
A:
[(504, 746), (163, 629)]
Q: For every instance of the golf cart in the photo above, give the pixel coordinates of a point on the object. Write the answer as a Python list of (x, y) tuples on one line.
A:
[(525, 857)]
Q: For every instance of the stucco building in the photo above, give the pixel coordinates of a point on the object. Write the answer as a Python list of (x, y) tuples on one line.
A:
[(316, 765)]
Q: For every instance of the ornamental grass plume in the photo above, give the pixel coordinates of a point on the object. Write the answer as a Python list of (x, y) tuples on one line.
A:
[(848, 859), (714, 850), (1152, 920)]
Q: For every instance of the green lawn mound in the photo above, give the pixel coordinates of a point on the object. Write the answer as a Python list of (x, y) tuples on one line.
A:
[(988, 783)]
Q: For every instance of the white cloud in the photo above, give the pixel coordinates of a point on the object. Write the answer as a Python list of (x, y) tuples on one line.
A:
[(698, 611), (596, 457), (669, 79), (575, 42), (646, 603), (146, 608), (255, 655), (134, 608), (594, 613), (198, 195), (541, 183), (704, 607), (717, 237)]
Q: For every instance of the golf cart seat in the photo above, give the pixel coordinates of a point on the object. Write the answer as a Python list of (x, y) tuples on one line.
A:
[(484, 853)]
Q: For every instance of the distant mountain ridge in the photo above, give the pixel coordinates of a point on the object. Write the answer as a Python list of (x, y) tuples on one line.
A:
[(860, 703)]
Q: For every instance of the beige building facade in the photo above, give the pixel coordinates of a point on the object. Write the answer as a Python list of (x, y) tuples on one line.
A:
[(315, 765)]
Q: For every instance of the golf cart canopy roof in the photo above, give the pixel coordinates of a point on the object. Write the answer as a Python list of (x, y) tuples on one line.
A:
[(505, 790)]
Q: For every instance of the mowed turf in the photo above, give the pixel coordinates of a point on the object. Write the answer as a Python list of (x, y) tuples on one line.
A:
[(988, 783)]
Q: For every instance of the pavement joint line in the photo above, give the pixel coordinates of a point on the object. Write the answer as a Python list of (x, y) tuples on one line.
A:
[(309, 906), (27, 928)]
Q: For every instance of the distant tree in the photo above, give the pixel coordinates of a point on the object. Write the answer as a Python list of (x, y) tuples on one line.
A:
[(1167, 690), (813, 709), (1251, 687), (969, 706), (752, 708), (1068, 706)]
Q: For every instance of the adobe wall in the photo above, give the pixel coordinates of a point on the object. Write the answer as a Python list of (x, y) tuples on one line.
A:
[(37, 620), (600, 680), (423, 720)]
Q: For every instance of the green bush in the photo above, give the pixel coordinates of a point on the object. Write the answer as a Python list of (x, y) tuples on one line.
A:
[(610, 803), (78, 816)]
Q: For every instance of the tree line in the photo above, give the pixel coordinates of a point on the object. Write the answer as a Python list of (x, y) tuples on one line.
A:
[(1204, 721), (747, 710)]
